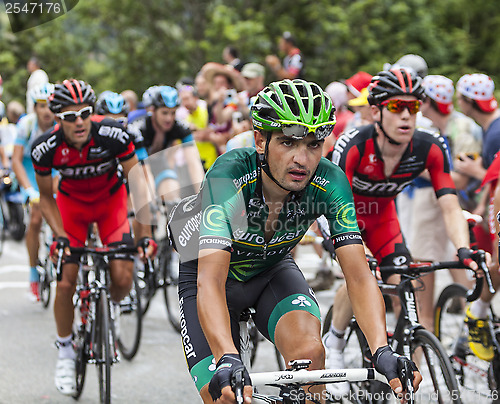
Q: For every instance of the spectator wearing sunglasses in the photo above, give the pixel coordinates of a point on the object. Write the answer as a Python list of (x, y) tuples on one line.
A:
[(380, 160), (254, 207), (86, 154)]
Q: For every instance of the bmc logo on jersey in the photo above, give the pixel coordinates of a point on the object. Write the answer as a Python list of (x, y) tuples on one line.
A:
[(43, 147), (382, 187), (87, 171), (114, 133), (341, 144)]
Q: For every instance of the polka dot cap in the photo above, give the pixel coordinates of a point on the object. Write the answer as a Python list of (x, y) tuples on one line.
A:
[(441, 90), (478, 87)]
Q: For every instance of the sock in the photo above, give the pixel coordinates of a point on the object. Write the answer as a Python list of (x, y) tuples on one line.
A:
[(479, 308), (66, 350), (34, 275), (335, 339)]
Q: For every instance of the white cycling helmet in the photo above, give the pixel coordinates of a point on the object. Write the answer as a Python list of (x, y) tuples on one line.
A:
[(42, 92)]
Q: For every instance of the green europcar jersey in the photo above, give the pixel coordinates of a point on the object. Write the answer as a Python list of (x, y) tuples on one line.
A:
[(233, 212)]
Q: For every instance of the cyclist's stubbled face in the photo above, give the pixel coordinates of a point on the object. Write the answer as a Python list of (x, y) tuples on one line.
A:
[(44, 115), (399, 126), (76, 133), (292, 162), (164, 118)]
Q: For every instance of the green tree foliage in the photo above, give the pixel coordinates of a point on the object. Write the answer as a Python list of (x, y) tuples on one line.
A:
[(119, 44)]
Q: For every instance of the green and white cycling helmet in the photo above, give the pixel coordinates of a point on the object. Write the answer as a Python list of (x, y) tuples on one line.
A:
[(295, 107)]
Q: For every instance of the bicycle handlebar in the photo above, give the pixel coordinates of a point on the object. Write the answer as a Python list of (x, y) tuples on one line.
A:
[(304, 376), (478, 256), (101, 251)]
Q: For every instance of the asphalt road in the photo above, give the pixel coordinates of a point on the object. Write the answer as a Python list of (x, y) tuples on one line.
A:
[(158, 373)]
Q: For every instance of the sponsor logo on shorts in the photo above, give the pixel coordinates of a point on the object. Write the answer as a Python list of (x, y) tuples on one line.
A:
[(301, 301)]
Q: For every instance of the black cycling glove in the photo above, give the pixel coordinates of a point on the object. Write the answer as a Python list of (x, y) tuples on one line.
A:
[(228, 365), (391, 364)]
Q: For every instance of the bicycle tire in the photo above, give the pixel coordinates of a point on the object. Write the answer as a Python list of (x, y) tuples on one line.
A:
[(450, 292), (146, 284), (130, 322), (17, 227), (82, 342), (434, 365), (45, 281), (2, 227), (494, 378), (170, 270), (472, 372), (103, 350)]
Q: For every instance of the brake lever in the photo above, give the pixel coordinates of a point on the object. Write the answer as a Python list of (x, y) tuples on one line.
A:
[(237, 385), (406, 377)]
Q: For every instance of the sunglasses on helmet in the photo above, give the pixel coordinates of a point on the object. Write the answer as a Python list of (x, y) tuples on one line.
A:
[(299, 130), (72, 116), (398, 106)]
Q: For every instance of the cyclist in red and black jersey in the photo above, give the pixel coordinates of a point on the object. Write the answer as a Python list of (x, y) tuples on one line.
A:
[(87, 155), (379, 161)]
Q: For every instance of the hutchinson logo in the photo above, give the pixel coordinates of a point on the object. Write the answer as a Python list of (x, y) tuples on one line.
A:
[(25, 14), (302, 301)]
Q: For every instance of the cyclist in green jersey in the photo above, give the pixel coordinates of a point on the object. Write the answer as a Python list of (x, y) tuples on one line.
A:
[(235, 236)]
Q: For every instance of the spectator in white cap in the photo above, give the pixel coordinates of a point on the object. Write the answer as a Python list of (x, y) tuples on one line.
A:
[(427, 237), (462, 133), (476, 100)]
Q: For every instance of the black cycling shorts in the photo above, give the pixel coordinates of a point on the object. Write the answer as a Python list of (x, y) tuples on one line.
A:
[(272, 293)]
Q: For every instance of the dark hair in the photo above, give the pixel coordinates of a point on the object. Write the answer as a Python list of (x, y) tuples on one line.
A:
[(474, 104), (232, 51), (35, 60), (287, 36)]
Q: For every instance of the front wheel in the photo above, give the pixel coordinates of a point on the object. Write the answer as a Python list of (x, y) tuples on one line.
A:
[(17, 227), (82, 342), (103, 348), (2, 227), (128, 322), (169, 265), (450, 327), (356, 355), (439, 384), (45, 281)]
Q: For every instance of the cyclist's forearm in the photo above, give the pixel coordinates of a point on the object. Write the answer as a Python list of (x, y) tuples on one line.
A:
[(211, 300), (456, 225), (22, 178), (369, 310), (50, 212), (141, 229), (364, 294), (4, 161), (195, 167)]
